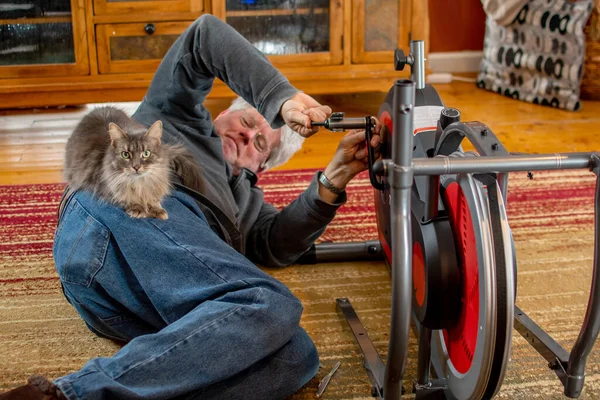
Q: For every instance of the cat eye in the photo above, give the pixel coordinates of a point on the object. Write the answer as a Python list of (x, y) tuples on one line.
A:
[(146, 154), (125, 155)]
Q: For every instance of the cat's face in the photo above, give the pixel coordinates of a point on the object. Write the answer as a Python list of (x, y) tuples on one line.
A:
[(135, 153)]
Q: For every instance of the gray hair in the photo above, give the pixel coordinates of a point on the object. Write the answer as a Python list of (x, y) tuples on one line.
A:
[(291, 141)]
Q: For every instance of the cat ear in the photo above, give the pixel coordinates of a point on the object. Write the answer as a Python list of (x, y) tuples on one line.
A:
[(115, 132), (155, 131)]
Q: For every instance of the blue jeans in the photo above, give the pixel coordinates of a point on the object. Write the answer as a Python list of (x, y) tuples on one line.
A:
[(198, 319)]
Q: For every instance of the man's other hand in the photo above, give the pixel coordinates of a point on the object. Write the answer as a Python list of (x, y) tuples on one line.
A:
[(299, 111)]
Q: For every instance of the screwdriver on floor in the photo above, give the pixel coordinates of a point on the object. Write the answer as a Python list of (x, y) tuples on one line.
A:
[(325, 381)]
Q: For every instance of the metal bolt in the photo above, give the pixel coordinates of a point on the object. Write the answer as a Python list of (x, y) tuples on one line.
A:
[(405, 108), (530, 174), (494, 146), (484, 132)]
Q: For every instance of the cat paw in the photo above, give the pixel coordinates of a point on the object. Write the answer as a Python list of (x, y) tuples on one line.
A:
[(136, 213), (158, 212), (161, 214)]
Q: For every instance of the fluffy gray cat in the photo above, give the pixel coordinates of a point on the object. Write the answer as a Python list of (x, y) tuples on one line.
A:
[(123, 162)]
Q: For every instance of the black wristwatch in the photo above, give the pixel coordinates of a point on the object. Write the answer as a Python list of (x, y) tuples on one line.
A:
[(328, 185)]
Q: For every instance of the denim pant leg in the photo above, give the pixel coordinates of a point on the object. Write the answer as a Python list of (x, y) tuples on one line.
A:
[(195, 313), (270, 377)]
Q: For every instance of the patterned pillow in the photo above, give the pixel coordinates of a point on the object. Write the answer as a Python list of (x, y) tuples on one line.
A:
[(539, 57)]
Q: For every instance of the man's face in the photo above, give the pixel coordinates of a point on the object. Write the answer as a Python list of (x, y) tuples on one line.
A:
[(247, 139)]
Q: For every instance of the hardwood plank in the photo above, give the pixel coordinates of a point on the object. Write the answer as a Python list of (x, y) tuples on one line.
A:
[(26, 139), (316, 152), (32, 141), (34, 148), (474, 104), (30, 177)]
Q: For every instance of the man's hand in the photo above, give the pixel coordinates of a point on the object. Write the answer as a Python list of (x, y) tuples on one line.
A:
[(350, 158), (299, 111)]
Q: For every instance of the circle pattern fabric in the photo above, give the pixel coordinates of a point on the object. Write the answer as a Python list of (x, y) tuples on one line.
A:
[(539, 57)]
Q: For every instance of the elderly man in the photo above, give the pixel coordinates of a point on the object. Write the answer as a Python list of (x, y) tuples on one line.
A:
[(197, 317)]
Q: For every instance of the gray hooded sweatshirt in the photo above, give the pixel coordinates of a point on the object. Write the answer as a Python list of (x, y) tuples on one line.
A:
[(233, 205)]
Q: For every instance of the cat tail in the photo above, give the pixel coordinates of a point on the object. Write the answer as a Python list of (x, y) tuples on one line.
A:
[(184, 165)]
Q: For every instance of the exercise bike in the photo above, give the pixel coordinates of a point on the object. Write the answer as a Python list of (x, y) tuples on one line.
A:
[(444, 233)]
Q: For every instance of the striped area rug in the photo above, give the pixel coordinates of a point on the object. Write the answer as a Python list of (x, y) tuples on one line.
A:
[(551, 218)]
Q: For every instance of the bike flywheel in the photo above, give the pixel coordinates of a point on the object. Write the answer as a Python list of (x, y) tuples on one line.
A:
[(472, 355)]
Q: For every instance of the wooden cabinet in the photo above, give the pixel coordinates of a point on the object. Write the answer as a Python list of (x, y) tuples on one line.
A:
[(299, 33), (116, 7), (42, 39), (138, 46), (376, 32), (322, 46)]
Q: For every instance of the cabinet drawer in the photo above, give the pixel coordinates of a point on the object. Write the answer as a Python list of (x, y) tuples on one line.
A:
[(134, 48), (103, 7)]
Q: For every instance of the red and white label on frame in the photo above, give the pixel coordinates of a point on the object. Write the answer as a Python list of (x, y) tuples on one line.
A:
[(425, 118)]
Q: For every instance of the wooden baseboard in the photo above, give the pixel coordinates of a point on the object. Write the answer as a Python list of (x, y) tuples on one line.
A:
[(454, 61)]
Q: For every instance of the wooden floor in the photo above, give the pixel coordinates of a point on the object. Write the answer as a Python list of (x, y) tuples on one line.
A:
[(32, 141)]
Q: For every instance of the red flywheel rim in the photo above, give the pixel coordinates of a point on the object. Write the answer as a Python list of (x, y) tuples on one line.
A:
[(418, 271), (461, 339)]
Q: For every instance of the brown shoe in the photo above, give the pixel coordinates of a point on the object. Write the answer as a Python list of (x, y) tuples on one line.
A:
[(37, 388)]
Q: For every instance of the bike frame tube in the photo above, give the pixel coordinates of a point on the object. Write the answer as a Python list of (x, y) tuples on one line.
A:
[(400, 180), (433, 194), (591, 323), (417, 70), (455, 165)]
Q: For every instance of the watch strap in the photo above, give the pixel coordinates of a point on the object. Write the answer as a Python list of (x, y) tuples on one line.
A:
[(328, 185)]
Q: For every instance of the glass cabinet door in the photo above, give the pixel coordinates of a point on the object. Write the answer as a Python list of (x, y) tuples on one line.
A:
[(42, 38), (290, 32), (381, 26)]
